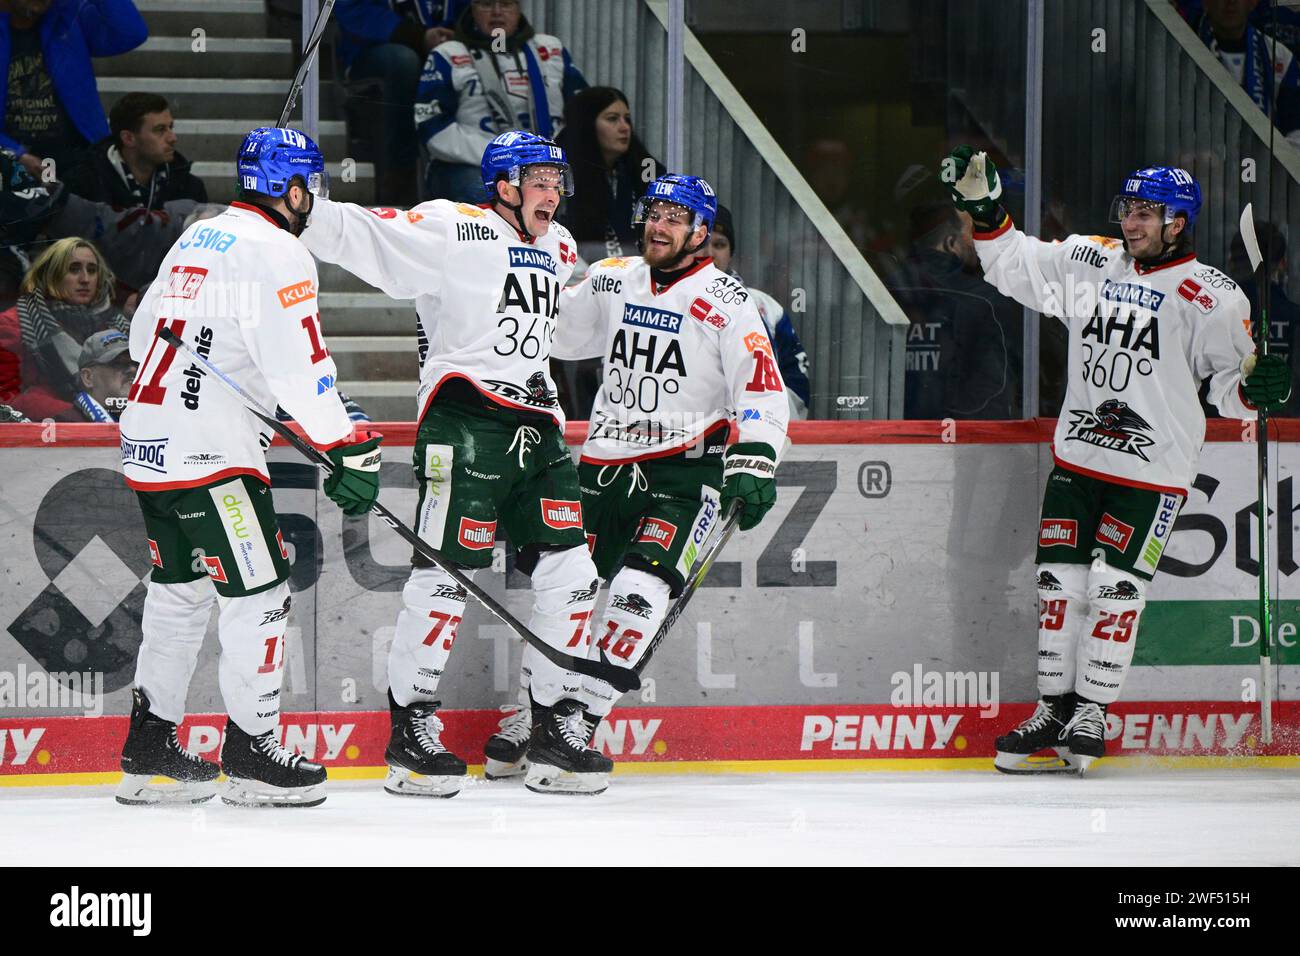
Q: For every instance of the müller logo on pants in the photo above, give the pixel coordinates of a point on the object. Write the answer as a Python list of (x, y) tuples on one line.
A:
[(1054, 531), (1114, 532), (560, 514), (657, 531), (477, 535)]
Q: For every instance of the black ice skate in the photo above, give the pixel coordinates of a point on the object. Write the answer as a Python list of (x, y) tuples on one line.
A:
[(1086, 733), (418, 764), (559, 759), (1042, 731), (507, 749), (156, 768), (263, 774)]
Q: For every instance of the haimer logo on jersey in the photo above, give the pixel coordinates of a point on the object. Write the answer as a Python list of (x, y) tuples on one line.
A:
[(524, 258), (648, 318), (561, 514), (1132, 293)]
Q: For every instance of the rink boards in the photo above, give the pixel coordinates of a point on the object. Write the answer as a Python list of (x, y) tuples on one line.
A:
[(883, 613)]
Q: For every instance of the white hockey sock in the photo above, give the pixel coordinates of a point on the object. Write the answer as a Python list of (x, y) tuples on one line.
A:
[(174, 621), (637, 605), (251, 668), (1062, 610), (564, 595), (432, 607), (1115, 603)]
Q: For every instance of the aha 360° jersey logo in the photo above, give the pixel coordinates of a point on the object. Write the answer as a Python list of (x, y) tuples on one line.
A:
[(1113, 426)]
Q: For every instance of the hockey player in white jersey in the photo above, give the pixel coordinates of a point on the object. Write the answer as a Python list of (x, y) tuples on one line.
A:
[(1147, 322), (242, 291), (685, 352), (490, 446)]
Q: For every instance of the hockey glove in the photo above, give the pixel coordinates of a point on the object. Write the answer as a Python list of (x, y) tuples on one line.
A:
[(972, 178), (353, 485), (749, 476), (1266, 381)]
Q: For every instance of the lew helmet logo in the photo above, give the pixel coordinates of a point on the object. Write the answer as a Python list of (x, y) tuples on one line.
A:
[(657, 531), (1054, 531), (561, 514), (477, 535), (1191, 290), (215, 570), (707, 314), (1113, 426), (1114, 532)]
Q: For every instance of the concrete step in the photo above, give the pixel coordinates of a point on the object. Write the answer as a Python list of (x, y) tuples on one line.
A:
[(334, 278), (366, 313), (231, 18), (375, 358), (219, 177), (383, 401), (224, 57), (218, 140), (201, 98)]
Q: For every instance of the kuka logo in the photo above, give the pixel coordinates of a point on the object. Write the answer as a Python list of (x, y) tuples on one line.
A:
[(1062, 531), (657, 531), (1114, 532), (292, 295), (561, 514), (477, 535)]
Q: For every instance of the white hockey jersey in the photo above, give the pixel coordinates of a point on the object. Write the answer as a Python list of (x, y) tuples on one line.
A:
[(241, 292), (679, 360), (1141, 342), (485, 297)]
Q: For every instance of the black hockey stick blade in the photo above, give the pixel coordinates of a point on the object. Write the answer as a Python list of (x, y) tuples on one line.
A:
[(621, 678), (308, 58)]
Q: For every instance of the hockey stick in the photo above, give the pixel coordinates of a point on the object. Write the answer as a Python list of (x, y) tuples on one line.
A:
[(702, 565), (1251, 242), (621, 678), (308, 58)]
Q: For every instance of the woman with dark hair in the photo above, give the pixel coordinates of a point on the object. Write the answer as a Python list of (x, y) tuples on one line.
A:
[(611, 170)]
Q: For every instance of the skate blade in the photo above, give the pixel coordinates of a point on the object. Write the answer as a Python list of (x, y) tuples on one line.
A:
[(254, 793), (1082, 762), (407, 783), (543, 778), (1059, 762), (146, 790), (501, 770)]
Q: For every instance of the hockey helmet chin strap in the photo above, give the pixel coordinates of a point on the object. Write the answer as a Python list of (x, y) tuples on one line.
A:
[(302, 215), (516, 208)]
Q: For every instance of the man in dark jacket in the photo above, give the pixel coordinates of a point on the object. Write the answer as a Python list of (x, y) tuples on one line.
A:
[(50, 104), (137, 165)]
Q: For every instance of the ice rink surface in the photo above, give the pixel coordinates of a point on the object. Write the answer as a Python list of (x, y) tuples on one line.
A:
[(1121, 816)]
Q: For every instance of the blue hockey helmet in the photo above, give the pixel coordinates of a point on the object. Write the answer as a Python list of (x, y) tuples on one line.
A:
[(270, 157), (1174, 189), (511, 153), (689, 192)]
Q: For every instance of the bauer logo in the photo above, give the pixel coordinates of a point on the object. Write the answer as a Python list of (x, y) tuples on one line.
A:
[(1058, 531), (477, 535), (1114, 532), (296, 294), (561, 514), (126, 910), (183, 282), (522, 258), (648, 318), (657, 531)]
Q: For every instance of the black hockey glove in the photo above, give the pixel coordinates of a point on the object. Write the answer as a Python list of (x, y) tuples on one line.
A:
[(972, 178), (749, 476), (1266, 382), (353, 485)]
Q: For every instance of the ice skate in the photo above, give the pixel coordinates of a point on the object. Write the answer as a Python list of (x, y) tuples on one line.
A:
[(262, 773), (157, 769), (506, 750), (1018, 751), (1086, 734), (559, 759), (418, 764)]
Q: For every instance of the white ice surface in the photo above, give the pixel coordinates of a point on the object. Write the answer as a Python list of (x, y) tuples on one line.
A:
[(1119, 816)]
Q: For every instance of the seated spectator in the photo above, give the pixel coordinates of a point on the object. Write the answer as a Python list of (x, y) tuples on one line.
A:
[(1249, 55), (964, 344), (105, 373), (64, 301), (790, 355), (611, 170), (137, 165), (51, 103), (469, 94), (386, 42)]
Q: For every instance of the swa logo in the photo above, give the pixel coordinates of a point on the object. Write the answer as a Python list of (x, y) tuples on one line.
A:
[(324, 384), (750, 415)]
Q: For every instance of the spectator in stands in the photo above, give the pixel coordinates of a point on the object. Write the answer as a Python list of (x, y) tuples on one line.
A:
[(65, 300), (611, 170), (829, 168), (104, 376), (469, 93), (137, 165), (790, 355), (51, 103), (964, 344), (1284, 315), (382, 45), (1224, 26)]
